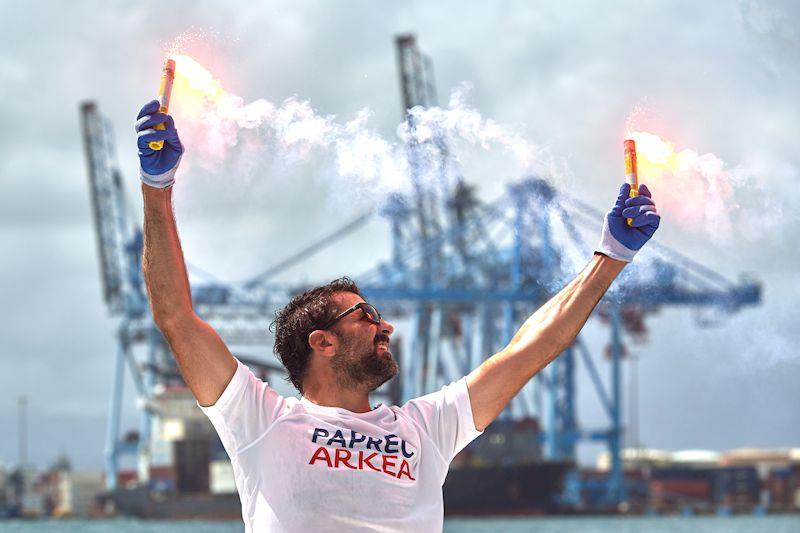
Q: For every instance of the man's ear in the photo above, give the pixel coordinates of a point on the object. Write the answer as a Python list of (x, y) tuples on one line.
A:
[(321, 342)]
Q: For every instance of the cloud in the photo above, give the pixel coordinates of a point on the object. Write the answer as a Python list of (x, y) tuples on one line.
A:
[(771, 26)]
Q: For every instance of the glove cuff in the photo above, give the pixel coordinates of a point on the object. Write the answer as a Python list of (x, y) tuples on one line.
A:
[(611, 247), (159, 181)]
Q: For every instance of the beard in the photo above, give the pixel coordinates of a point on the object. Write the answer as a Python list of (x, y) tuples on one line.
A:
[(361, 366)]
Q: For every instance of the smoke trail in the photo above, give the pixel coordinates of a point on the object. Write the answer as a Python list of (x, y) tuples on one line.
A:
[(459, 122), (216, 123)]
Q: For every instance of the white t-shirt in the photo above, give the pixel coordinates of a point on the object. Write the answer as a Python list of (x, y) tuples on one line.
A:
[(301, 467)]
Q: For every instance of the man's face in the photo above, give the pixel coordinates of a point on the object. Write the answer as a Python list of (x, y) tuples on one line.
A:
[(362, 359)]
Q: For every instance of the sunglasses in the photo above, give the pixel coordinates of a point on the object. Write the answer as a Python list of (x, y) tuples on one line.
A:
[(370, 314)]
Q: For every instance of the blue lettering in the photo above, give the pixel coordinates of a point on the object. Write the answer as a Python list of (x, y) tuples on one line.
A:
[(407, 455), (354, 439), (391, 443), (319, 432), (374, 444), (338, 437)]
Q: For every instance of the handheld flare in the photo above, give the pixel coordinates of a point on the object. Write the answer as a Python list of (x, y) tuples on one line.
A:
[(164, 93), (631, 174)]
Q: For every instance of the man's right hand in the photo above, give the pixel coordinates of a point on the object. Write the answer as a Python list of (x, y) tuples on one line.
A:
[(157, 167)]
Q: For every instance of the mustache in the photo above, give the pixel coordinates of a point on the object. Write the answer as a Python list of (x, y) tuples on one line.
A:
[(381, 337)]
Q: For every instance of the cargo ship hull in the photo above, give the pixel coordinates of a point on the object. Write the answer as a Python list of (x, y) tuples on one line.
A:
[(504, 490), (142, 503)]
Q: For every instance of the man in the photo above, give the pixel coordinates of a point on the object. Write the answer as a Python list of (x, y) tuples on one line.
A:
[(329, 461)]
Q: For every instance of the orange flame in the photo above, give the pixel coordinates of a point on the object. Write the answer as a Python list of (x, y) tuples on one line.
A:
[(195, 88), (656, 156), (690, 187), (205, 111)]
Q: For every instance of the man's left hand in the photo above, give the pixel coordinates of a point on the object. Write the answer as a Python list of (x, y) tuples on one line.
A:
[(621, 241)]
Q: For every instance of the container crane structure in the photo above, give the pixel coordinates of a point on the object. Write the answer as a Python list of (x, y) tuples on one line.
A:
[(464, 272), (236, 313)]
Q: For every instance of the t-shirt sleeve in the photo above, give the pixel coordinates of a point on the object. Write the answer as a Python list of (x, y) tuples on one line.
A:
[(446, 416), (245, 411)]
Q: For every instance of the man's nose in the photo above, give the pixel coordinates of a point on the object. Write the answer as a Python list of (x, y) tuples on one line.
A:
[(386, 327)]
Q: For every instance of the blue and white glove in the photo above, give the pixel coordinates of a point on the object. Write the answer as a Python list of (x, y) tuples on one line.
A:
[(157, 167), (620, 241)]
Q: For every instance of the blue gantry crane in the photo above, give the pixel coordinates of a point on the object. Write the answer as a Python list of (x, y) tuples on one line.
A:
[(238, 314), (463, 273)]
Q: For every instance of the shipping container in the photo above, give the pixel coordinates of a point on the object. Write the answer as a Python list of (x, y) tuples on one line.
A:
[(673, 491), (795, 477), (191, 465), (127, 478), (162, 479), (682, 472), (221, 480), (779, 487), (737, 484)]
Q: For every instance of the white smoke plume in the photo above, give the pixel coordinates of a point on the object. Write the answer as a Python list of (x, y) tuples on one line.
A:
[(697, 191), (219, 125)]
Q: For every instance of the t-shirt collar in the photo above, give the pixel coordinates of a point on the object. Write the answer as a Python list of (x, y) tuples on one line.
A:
[(336, 410)]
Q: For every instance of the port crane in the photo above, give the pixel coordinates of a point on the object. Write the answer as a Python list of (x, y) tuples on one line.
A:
[(464, 272)]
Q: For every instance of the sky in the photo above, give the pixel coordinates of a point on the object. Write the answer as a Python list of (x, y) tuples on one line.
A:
[(716, 78)]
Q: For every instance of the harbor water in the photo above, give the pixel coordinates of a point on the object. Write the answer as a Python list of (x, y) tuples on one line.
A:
[(735, 524)]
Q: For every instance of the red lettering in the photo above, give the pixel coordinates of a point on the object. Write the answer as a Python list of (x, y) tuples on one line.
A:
[(321, 455), (388, 461), (343, 456), (362, 460), (405, 469)]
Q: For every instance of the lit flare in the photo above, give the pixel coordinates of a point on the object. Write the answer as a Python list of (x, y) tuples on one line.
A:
[(164, 95), (631, 173), (695, 189)]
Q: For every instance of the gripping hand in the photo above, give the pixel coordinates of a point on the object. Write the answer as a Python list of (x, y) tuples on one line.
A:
[(157, 167), (620, 241)]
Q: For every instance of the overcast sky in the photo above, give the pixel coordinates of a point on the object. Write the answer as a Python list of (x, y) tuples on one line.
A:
[(716, 77)]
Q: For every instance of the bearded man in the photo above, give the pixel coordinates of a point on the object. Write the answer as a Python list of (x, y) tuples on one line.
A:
[(328, 461)]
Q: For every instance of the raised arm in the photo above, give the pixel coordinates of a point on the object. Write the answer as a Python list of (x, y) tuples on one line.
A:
[(205, 362), (554, 326), (547, 333)]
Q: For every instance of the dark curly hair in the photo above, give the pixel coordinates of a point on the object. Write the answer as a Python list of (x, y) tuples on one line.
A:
[(294, 323)]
